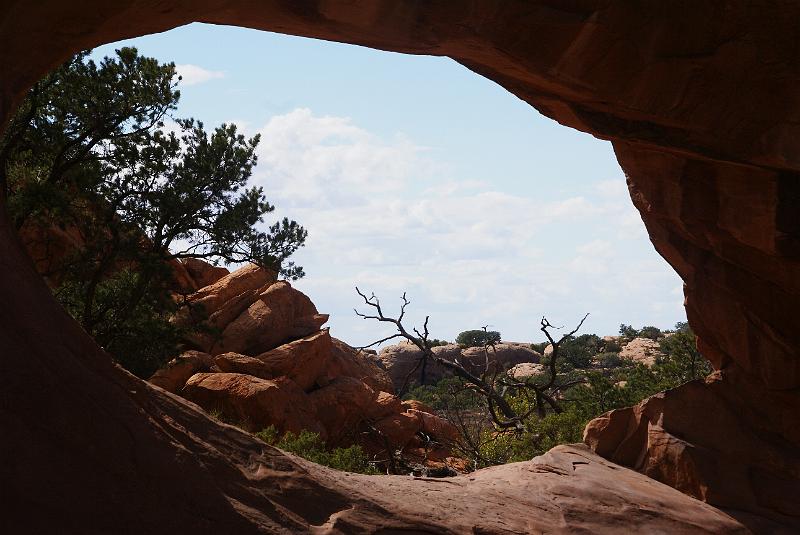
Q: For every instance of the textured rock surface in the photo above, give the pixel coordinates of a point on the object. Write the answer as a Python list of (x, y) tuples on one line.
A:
[(642, 350), (742, 458), (303, 361), (505, 354), (175, 374), (400, 359), (701, 103), (347, 361), (278, 314), (203, 273), (252, 402)]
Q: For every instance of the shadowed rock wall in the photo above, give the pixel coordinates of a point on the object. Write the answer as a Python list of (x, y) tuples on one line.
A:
[(699, 98)]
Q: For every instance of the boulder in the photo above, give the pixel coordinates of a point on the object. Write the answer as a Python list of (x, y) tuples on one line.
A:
[(397, 430), (303, 361), (174, 375), (277, 315), (244, 281), (524, 370), (238, 363), (203, 273), (254, 403), (504, 355), (346, 361), (342, 405), (399, 359), (416, 405), (643, 350), (708, 439), (437, 428), (387, 404)]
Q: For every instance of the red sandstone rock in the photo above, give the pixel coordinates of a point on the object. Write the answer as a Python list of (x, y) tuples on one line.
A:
[(303, 361), (174, 375), (416, 405), (238, 363), (701, 105), (398, 429), (279, 314), (242, 281), (400, 359), (388, 404), (439, 429), (642, 350), (505, 354), (343, 405), (203, 273), (349, 362), (701, 439), (253, 403)]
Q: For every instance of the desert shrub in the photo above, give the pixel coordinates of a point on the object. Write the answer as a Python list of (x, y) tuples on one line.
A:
[(311, 447), (478, 338), (539, 347), (653, 333), (610, 359), (628, 331), (448, 394)]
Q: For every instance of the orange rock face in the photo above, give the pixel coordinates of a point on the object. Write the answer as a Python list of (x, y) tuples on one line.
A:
[(701, 439), (203, 273), (175, 374), (252, 402), (701, 103)]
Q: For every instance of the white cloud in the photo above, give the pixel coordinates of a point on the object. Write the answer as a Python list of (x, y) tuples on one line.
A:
[(384, 215), (193, 75)]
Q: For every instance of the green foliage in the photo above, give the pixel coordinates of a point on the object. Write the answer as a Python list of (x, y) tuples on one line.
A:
[(140, 336), (539, 347), (311, 447), (682, 362), (576, 352), (620, 384), (628, 331), (648, 331), (88, 153), (477, 338), (610, 360), (451, 393), (435, 342)]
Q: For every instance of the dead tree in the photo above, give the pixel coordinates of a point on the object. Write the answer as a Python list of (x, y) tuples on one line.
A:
[(492, 384)]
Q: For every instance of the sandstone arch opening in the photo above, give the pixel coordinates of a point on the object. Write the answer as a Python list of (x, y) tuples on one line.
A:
[(692, 187)]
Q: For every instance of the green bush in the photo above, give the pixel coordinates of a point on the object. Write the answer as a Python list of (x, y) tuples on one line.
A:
[(448, 394), (311, 447), (653, 333), (610, 360), (478, 338)]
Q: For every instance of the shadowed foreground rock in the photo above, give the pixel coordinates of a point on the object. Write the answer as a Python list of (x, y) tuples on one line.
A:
[(701, 101), (728, 455)]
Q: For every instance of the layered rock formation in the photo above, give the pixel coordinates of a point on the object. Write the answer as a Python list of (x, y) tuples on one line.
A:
[(399, 360), (293, 376), (701, 103)]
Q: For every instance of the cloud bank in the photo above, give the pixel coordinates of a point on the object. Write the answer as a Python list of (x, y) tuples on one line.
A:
[(384, 214)]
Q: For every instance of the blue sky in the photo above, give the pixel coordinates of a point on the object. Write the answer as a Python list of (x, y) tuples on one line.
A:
[(411, 173)]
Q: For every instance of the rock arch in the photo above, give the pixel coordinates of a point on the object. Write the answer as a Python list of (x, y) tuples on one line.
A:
[(701, 103)]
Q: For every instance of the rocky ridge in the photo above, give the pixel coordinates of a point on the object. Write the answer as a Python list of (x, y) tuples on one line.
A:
[(271, 364)]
